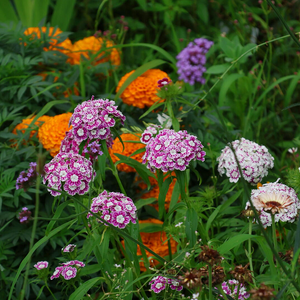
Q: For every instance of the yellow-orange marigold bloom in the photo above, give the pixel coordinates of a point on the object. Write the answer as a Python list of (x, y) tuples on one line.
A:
[(142, 91), (26, 123), (157, 242), (64, 47), (89, 46), (52, 132), (129, 148)]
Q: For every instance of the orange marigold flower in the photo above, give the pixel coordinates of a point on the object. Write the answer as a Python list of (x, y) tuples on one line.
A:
[(142, 91), (64, 46), (129, 148), (34, 127), (92, 45), (157, 242), (53, 132)]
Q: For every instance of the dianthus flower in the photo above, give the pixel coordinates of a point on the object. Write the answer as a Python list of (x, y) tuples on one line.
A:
[(254, 160), (90, 46), (142, 91), (191, 61), (68, 270), (26, 179), (53, 131), (158, 284), (41, 265), (33, 127), (171, 150), (129, 149), (231, 287), (72, 170), (150, 131), (24, 215), (157, 242), (115, 208), (93, 118), (277, 199), (55, 35), (69, 248)]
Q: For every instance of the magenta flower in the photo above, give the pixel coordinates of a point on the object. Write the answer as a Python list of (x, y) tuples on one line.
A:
[(114, 208), (70, 170), (57, 272), (68, 270), (69, 273), (41, 265), (158, 284), (149, 133), (174, 284), (170, 150), (69, 248), (231, 288), (254, 160), (163, 82)]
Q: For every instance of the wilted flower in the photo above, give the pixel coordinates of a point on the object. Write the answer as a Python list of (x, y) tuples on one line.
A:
[(262, 293), (231, 288), (41, 265), (193, 278), (26, 179), (277, 199), (171, 150), (218, 276), (242, 274), (164, 120), (209, 255), (254, 160), (191, 61), (70, 169), (93, 119), (115, 208), (142, 91)]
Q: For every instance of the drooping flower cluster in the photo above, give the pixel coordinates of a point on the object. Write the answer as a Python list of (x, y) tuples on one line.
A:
[(53, 131), (114, 208), (231, 288), (191, 61), (24, 215), (26, 179), (41, 265), (277, 199), (142, 91), (70, 169), (254, 160), (159, 283), (68, 270), (171, 150), (93, 119), (129, 149)]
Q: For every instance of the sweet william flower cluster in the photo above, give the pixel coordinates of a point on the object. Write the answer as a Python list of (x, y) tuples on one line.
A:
[(254, 160), (67, 270), (234, 288), (277, 199), (170, 150), (114, 208), (69, 170), (159, 283)]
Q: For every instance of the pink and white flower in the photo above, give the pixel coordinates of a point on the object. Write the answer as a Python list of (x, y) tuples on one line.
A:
[(41, 265), (69, 248)]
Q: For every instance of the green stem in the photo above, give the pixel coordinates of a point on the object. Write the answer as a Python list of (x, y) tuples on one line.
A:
[(274, 233), (250, 251), (50, 290), (210, 282), (222, 291), (238, 292)]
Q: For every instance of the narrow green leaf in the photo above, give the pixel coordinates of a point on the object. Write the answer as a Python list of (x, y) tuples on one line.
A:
[(227, 82), (40, 10), (218, 69), (142, 202), (7, 12), (79, 293), (162, 196), (191, 224), (62, 14), (25, 11)]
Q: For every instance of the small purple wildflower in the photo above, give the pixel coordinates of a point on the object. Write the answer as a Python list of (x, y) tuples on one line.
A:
[(24, 215), (26, 179), (114, 208), (170, 150), (255, 160), (158, 284), (69, 248), (41, 265), (191, 61), (230, 288), (70, 169)]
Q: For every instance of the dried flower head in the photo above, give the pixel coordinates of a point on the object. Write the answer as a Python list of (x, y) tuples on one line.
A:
[(142, 91), (262, 293), (129, 149), (71, 170), (53, 131), (93, 119), (193, 278), (254, 160), (170, 150), (209, 255), (288, 256), (218, 276), (231, 288), (92, 46), (55, 39), (191, 61), (242, 274), (277, 199), (115, 208)]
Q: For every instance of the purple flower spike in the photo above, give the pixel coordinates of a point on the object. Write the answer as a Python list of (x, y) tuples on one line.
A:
[(26, 179), (191, 61)]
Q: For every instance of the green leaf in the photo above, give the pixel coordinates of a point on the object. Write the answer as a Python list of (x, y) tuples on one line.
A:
[(218, 69), (143, 202), (79, 293), (163, 190), (7, 13), (150, 227), (62, 14), (191, 224), (138, 72), (227, 82)]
